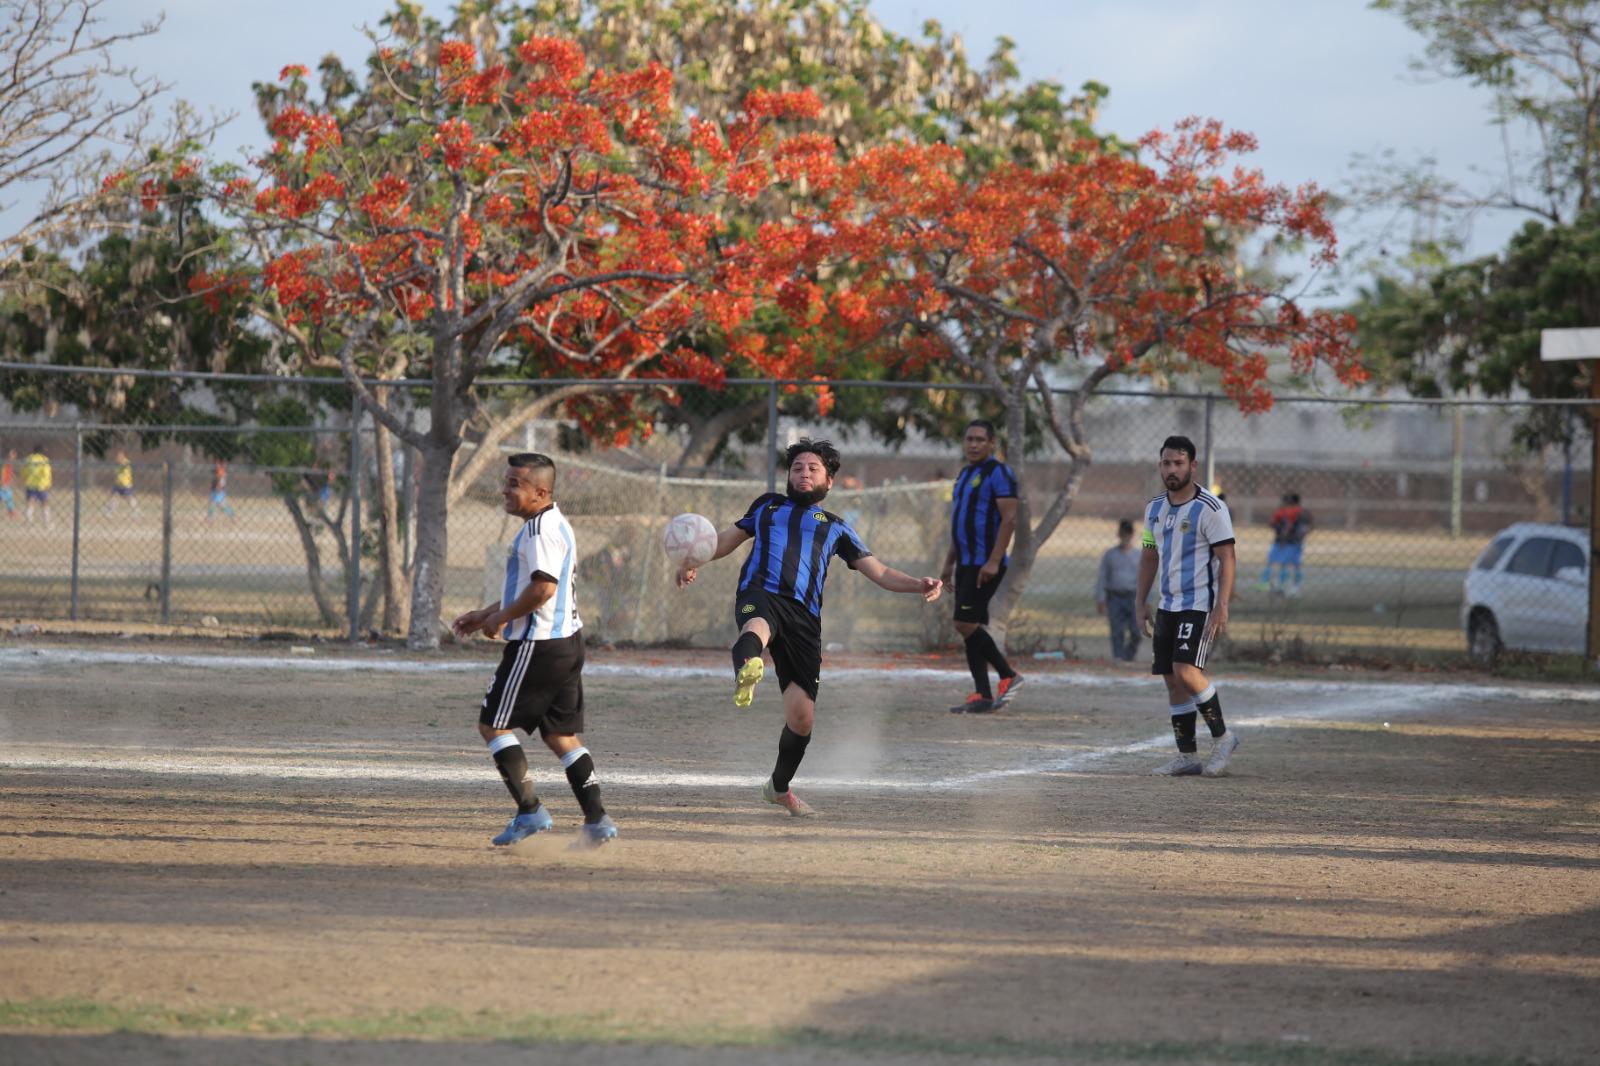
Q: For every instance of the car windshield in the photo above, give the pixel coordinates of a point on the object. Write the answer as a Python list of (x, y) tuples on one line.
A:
[(1492, 553)]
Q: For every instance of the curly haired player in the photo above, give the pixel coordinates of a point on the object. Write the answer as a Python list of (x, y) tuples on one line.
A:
[(779, 603)]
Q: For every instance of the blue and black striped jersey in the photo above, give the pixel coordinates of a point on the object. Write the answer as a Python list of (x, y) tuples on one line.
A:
[(974, 518), (792, 548)]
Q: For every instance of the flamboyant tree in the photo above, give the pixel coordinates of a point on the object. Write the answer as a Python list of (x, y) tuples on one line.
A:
[(1057, 278), (479, 207)]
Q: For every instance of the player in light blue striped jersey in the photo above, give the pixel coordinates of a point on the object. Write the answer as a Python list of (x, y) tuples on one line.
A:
[(1189, 557), (539, 684)]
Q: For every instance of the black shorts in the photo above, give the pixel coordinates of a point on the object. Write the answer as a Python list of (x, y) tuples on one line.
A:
[(538, 685), (972, 599), (1180, 637), (796, 643)]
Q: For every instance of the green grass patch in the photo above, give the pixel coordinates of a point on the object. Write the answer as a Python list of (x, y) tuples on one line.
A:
[(491, 1026)]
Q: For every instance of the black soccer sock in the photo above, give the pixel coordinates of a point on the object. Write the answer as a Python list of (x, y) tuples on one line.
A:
[(791, 749), (512, 762), (978, 663), (579, 766), (991, 652), (748, 646), (1183, 718), (1209, 704)]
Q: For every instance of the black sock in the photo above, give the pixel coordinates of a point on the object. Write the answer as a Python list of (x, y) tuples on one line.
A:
[(579, 766), (978, 664), (1209, 704), (991, 652), (1183, 729), (512, 762), (791, 749), (748, 646)]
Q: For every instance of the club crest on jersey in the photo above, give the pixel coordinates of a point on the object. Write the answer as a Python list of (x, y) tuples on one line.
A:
[(1183, 527), (974, 482), (818, 516)]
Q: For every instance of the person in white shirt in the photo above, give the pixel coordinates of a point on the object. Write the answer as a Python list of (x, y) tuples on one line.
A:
[(1188, 544), (539, 684)]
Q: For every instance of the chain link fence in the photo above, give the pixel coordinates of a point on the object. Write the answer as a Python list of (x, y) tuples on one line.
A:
[(282, 527)]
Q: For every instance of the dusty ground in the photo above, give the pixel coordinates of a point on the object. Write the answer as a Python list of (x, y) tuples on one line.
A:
[(264, 861)]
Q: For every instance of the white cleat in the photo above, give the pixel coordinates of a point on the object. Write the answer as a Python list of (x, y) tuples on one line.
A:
[(1221, 751), (1184, 765)]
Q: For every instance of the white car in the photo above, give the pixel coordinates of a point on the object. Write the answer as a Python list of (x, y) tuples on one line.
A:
[(1528, 591)]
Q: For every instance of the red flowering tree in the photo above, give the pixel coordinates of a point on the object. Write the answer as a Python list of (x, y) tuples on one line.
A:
[(466, 212), (1061, 277)]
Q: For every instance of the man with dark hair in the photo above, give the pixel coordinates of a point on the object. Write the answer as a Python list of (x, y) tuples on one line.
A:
[(1188, 543), (1291, 524), (779, 603), (539, 684), (1114, 587), (983, 517)]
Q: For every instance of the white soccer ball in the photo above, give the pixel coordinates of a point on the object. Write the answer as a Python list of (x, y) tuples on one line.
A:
[(690, 540)]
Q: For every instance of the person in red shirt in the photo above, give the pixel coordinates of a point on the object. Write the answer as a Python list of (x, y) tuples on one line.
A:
[(1291, 525)]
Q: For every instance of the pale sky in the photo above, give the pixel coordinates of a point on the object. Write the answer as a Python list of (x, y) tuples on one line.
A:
[(1317, 82)]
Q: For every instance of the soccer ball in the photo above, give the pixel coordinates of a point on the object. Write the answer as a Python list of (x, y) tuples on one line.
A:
[(690, 540)]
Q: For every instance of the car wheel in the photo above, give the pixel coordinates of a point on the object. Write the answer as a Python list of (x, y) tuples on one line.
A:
[(1483, 639)]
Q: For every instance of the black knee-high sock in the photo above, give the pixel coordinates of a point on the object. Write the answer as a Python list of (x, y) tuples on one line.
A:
[(1183, 717), (512, 762), (978, 663), (1209, 704), (791, 749), (991, 652), (748, 646), (579, 766)]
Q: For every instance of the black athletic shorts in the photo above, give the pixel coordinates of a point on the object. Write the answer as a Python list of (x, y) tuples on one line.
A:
[(796, 643), (538, 685), (1180, 637), (972, 599)]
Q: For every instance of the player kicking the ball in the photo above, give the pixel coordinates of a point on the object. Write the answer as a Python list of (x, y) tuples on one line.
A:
[(779, 603), (1188, 541), (539, 684)]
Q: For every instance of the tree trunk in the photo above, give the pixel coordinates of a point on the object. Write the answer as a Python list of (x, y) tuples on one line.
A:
[(433, 543), (308, 542), (396, 592), (706, 435)]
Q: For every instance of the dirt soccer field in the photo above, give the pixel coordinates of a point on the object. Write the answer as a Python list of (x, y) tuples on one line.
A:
[(211, 856)]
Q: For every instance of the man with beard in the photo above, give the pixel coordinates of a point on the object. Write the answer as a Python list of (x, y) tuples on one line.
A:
[(1188, 542), (983, 517), (779, 603)]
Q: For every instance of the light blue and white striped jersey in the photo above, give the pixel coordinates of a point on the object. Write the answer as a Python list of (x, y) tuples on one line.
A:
[(1185, 535), (544, 545)]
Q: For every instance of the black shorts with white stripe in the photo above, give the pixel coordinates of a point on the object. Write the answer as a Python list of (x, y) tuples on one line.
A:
[(1179, 637), (538, 685)]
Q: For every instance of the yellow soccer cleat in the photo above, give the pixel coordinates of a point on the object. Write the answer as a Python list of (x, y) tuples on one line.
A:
[(745, 681)]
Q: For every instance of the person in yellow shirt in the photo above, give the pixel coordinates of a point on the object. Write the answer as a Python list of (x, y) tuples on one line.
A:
[(122, 485), (36, 480)]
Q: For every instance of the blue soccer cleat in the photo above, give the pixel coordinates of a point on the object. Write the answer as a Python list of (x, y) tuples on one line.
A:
[(524, 826), (595, 834)]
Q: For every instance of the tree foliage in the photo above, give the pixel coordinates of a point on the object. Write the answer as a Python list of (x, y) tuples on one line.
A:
[(1025, 278)]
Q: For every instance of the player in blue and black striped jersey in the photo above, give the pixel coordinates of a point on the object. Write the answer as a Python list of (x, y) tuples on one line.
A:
[(779, 603), (983, 516)]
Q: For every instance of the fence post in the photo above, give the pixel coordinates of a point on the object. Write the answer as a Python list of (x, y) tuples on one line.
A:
[(406, 517), (77, 510), (649, 555), (353, 593), (1211, 462), (772, 436), (1566, 472), (1455, 476), (166, 546)]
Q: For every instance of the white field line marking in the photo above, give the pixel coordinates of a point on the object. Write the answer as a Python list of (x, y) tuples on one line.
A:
[(1327, 700), (1300, 689)]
